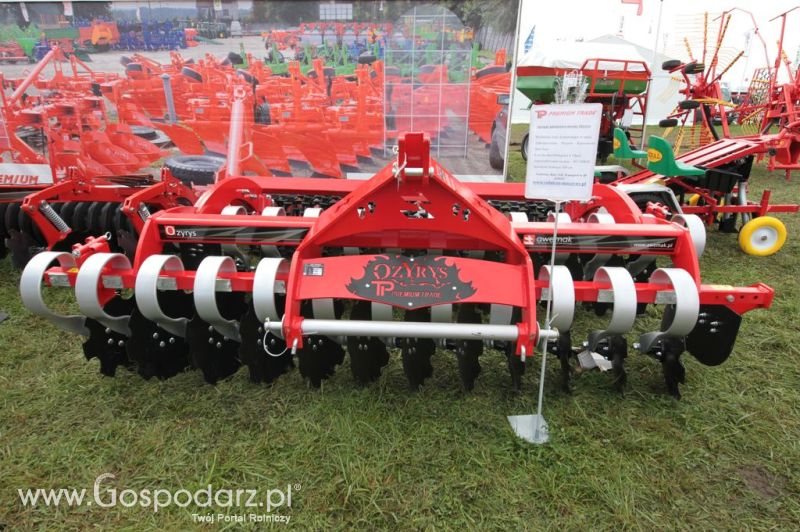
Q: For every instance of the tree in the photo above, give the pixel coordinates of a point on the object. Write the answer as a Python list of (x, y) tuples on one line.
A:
[(91, 10), (260, 11)]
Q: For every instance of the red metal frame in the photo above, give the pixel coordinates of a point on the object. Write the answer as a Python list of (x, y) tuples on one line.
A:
[(394, 209)]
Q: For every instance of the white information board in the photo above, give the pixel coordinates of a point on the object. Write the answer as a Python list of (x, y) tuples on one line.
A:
[(562, 150)]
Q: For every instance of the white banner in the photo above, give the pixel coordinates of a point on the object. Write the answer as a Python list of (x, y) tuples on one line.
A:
[(217, 5), (562, 150), (24, 9), (68, 8), (25, 174)]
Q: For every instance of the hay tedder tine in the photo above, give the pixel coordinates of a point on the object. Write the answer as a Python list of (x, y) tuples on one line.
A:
[(30, 288)]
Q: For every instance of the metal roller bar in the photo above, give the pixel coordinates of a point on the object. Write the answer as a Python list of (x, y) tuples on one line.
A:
[(400, 329)]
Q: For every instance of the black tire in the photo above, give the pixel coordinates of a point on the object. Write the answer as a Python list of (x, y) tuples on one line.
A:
[(133, 67), (96, 90), (671, 64), (391, 71), (195, 169), (192, 74), (688, 104), (11, 218), (694, 68), (329, 72), (668, 122), (235, 58), (3, 232), (366, 59), (125, 60), (262, 115), (488, 71), (495, 153), (523, 147), (147, 133)]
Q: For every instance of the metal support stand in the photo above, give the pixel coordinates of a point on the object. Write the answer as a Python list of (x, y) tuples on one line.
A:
[(533, 427), (172, 116)]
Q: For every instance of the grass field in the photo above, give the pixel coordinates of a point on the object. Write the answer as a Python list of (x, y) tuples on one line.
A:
[(727, 456)]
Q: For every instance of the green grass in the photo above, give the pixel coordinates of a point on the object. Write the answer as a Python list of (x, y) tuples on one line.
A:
[(727, 456)]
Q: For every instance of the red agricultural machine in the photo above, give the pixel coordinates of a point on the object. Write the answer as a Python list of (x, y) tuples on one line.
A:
[(72, 169), (710, 176), (620, 85), (768, 115), (267, 271)]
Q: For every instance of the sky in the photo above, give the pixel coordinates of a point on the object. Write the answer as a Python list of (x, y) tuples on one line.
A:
[(575, 19)]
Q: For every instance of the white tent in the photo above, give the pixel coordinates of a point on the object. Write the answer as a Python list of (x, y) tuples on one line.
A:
[(663, 91)]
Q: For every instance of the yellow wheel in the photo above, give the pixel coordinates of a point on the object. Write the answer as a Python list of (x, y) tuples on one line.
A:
[(694, 199), (762, 236)]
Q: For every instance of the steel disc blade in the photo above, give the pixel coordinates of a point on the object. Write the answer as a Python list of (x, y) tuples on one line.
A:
[(79, 216), (211, 352), (319, 356), (263, 366), (106, 345), (368, 355), (157, 352), (417, 352), (22, 247), (106, 221), (27, 226), (93, 217), (468, 351)]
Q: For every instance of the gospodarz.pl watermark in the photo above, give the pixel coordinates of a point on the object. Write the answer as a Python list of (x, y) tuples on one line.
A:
[(212, 505)]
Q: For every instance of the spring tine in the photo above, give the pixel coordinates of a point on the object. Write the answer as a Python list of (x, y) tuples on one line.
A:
[(30, 289), (623, 294), (682, 318), (88, 282), (205, 294), (147, 290), (562, 292)]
